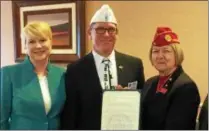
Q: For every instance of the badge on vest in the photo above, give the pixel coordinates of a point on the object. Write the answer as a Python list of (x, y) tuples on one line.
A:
[(132, 85)]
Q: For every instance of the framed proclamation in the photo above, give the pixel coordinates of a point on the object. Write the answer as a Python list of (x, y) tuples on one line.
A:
[(120, 110)]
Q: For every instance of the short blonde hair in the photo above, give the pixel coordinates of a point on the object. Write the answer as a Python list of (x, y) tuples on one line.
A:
[(37, 29), (178, 52)]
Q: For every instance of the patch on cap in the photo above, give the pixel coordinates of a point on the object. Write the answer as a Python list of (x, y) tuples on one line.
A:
[(168, 38)]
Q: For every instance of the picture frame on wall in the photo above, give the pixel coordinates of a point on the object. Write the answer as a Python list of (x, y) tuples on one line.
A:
[(67, 21)]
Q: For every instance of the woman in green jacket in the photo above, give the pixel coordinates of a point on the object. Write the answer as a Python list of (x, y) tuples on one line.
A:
[(32, 92)]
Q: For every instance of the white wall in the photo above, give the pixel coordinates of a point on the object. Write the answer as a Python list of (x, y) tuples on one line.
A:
[(7, 43)]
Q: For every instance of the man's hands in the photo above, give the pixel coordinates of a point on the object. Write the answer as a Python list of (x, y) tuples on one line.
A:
[(119, 87)]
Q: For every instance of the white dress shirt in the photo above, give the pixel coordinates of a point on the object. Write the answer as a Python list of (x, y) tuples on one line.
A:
[(100, 68), (45, 92)]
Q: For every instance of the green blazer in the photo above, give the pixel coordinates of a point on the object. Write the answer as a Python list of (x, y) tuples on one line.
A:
[(21, 103)]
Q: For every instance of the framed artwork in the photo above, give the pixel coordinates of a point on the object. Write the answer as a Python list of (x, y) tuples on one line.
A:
[(67, 21)]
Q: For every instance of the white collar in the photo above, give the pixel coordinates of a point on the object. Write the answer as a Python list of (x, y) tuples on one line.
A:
[(98, 58)]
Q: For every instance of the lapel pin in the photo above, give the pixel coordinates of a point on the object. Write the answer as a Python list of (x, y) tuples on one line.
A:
[(121, 67)]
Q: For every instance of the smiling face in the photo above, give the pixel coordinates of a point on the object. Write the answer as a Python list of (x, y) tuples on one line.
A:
[(38, 48), (38, 38), (163, 58), (103, 36)]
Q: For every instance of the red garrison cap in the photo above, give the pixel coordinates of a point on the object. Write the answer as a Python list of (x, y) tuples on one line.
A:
[(165, 36)]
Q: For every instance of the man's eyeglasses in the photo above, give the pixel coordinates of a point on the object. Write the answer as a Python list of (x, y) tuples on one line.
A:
[(102, 30)]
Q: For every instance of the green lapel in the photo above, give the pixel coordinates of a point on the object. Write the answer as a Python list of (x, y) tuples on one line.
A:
[(34, 84), (52, 85)]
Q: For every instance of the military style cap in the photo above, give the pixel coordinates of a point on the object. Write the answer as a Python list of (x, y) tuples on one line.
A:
[(165, 36), (104, 14)]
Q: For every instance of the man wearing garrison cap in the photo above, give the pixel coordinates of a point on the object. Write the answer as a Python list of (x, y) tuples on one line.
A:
[(103, 68)]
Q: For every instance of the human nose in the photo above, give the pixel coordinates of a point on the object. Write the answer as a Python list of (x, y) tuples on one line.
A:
[(106, 33), (160, 54), (38, 44)]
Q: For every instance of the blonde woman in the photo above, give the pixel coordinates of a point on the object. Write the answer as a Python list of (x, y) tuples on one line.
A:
[(170, 100), (32, 92)]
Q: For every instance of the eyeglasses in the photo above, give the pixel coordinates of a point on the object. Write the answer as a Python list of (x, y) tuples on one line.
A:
[(102, 30)]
